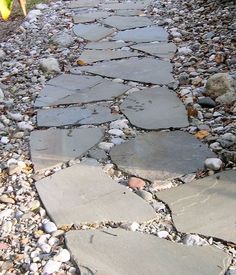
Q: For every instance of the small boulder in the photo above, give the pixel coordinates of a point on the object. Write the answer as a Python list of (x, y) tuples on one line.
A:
[(63, 39), (50, 65)]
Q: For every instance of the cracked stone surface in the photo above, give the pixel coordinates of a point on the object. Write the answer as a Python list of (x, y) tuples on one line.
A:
[(93, 196), (211, 200), (129, 22), (89, 17), (91, 114), (145, 70), (164, 50), (106, 45), (84, 4), (52, 147), (123, 6), (140, 35), (154, 109), (92, 32), (106, 252), (161, 155), (90, 56)]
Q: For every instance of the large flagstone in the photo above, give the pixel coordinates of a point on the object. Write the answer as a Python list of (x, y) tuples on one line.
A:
[(123, 6), (106, 45), (83, 4), (89, 17)]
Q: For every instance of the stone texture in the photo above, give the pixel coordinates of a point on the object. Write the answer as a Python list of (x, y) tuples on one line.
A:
[(62, 39), (89, 17), (92, 32), (211, 200), (161, 155), (106, 45), (141, 35), (106, 252), (129, 12), (123, 6), (146, 70), (83, 4), (90, 56), (154, 109), (54, 146), (164, 50), (83, 193), (91, 114), (127, 22)]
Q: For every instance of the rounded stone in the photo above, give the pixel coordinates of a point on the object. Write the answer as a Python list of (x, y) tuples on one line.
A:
[(213, 164), (63, 256), (136, 183), (49, 227)]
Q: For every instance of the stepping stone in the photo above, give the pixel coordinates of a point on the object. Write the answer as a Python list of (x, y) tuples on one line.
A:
[(161, 155), (90, 17), (62, 86), (83, 4), (164, 50), (83, 193), (106, 45), (91, 56), (52, 147), (145, 70), (155, 109), (107, 90), (129, 12), (211, 200), (117, 251), (129, 22), (123, 6), (91, 114), (92, 32), (148, 34)]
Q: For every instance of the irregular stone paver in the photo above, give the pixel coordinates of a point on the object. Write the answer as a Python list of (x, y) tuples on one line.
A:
[(106, 252), (84, 4), (129, 12), (107, 90), (205, 206), (52, 147), (106, 45), (92, 32), (63, 86), (165, 50), (89, 17), (129, 22), (153, 109), (83, 193), (161, 155), (148, 34), (123, 6), (146, 70), (91, 114), (90, 56)]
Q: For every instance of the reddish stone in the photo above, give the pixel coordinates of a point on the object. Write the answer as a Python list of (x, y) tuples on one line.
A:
[(3, 246), (136, 183)]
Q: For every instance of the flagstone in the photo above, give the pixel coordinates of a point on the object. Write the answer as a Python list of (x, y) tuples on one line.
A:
[(92, 32), (89, 17), (84, 4), (123, 6), (155, 109), (106, 45), (145, 70), (83, 193), (211, 200), (106, 252), (161, 155), (90, 114), (140, 35), (129, 12), (52, 147)]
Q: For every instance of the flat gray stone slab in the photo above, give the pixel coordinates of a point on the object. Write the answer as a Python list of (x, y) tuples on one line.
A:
[(161, 155), (164, 50), (127, 22), (92, 32), (89, 17), (145, 70), (91, 56), (107, 90), (91, 114), (129, 12), (205, 206), (123, 6), (106, 252), (63, 86), (106, 45), (83, 193), (84, 4), (155, 109), (140, 35), (52, 147)]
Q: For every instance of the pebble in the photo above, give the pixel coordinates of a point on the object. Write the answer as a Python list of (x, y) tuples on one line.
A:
[(106, 146), (144, 194), (136, 183), (49, 227), (34, 267), (214, 164), (5, 140), (62, 256), (50, 65), (162, 234), (191, 240), (1, 95), (116, 132), (119, 124), (51, 267)]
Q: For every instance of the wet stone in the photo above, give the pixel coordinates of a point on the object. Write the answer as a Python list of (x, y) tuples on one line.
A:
[(154, 109), (106, 252), (129, 22), (83, 4), (91, 114), (89, 17), (164, 50), (153, 155), (106, 45), (52, 147), (93, 196), (145, 70), (141, 35), (211, 200)]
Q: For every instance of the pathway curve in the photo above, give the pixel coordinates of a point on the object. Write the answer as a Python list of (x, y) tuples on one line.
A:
[(119, 115)]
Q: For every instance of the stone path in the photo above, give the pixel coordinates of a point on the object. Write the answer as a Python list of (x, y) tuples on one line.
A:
[(125, 82)]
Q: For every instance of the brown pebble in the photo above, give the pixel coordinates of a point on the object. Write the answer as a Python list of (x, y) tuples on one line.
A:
[(136, 183)]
